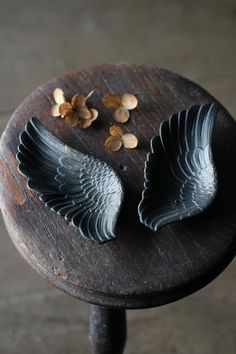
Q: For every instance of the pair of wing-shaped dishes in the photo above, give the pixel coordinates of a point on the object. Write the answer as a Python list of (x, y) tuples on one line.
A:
[(180, 178)]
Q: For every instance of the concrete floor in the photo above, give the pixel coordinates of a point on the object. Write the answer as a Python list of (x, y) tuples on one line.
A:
[(41, 39)]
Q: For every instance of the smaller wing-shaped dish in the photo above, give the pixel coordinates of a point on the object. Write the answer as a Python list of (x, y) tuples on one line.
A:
[(180, 178), (84, 190)]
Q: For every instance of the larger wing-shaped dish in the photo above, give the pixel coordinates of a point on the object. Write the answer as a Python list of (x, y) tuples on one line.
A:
[(180, 178), (82, 189)]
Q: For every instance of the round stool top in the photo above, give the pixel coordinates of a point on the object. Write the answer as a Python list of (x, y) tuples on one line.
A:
[(140, 268)]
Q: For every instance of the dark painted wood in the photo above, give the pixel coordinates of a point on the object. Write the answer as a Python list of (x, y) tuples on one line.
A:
[(141, 268), (107, 330)]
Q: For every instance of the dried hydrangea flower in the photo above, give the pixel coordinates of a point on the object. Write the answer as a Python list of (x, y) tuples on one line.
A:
[(122, 105), (117, 139), (76, 112)]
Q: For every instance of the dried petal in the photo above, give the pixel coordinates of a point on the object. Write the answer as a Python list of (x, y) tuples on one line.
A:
[(121, 115), (85, 123), (65, 109), (59, 96), (129, 101), (94, 114), (113, 143), (115, 130), (72, 120), (55, 110), (129, 141), (84, 113), (78, 101), (111, 101)]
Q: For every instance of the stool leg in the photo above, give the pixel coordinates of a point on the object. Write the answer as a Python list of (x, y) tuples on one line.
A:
[(107, 332)]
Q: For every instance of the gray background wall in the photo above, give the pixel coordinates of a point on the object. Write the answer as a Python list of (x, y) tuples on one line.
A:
[(41, 39)]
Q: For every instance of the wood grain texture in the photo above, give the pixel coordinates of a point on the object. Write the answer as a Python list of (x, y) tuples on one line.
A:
[(141, 268)]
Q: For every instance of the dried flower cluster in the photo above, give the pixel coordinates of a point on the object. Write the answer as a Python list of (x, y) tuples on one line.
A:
[(121, 104), (76, 112), (117, 138)]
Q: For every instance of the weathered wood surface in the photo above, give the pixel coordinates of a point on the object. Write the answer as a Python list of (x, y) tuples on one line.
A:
[(141, 268)]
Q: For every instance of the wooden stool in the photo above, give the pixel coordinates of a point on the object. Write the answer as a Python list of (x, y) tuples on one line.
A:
[(139, 269)]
